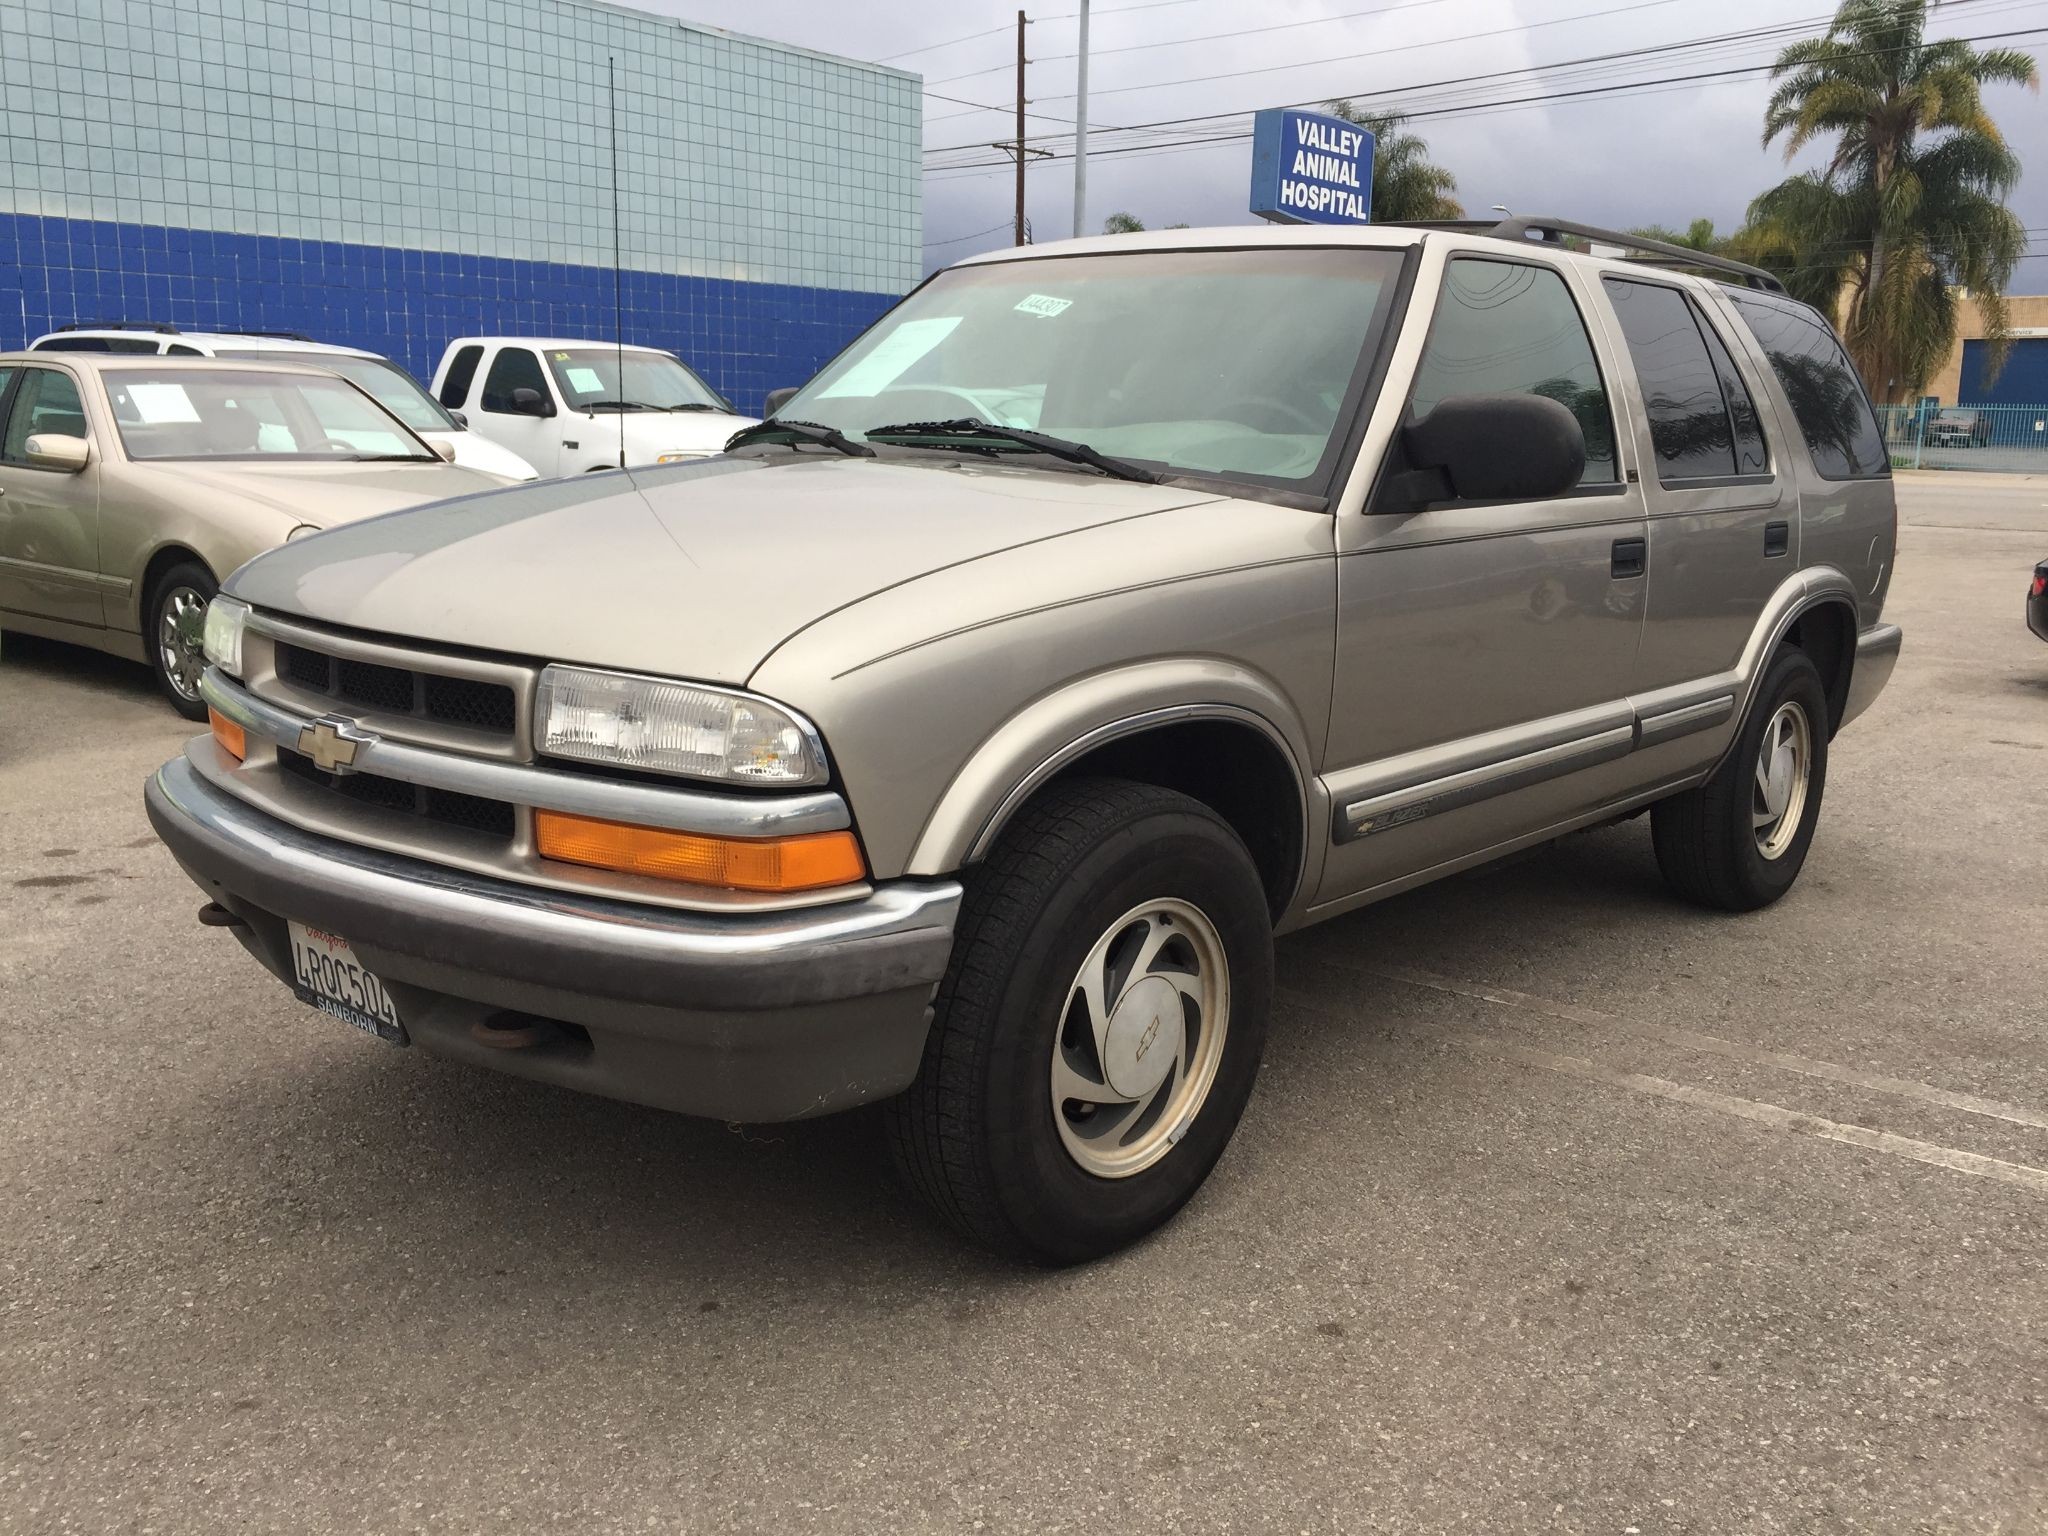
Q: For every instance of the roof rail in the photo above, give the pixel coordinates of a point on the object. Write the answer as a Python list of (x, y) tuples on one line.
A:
[(120, 325), (236, 330), (1658, 253)]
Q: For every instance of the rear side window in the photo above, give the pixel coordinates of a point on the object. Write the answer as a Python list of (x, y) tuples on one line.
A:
[(461, 374), (179, 349), (513, 368), (1702, 422), (1827, 398), (1510, 327)]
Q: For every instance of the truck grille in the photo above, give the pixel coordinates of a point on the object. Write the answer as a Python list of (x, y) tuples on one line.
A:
[(369, 685), (443, 806)]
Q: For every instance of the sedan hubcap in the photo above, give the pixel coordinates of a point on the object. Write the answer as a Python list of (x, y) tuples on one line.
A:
[(1141, 1039), (1784, 766), (181, 639)]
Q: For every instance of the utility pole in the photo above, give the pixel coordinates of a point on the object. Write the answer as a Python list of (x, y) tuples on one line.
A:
[(1081, 134), (1020, 128)]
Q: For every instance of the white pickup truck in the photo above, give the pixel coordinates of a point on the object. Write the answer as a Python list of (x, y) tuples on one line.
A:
[(570, 406)]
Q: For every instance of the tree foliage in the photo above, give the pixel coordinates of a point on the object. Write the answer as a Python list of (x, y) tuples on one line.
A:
[(1911, 203), (1405, 184)]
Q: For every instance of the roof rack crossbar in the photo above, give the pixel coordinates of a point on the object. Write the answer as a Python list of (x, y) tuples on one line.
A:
[(1549, 231), (120, 325)]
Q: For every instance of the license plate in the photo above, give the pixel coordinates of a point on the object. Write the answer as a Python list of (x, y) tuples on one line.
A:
[(327, 974)]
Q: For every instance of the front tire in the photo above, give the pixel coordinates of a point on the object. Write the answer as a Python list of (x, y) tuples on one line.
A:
[(1099, 1027), (1738, 841), (174, 633)]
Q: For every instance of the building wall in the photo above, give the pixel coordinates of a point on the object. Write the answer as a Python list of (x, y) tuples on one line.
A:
[(391, 173), (2023, 312)]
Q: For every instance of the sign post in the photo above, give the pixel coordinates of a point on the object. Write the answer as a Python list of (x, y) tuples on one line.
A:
[(1309, 168)]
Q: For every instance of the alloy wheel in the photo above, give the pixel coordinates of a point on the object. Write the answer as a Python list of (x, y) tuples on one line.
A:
[(1784, 769), (181, 639)]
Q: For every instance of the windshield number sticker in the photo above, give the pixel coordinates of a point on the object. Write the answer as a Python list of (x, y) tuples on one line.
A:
[(1044, 305)]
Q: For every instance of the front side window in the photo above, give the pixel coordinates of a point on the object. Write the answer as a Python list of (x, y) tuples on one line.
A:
[(1236, 363), (46, 401), (514, 368), (1827, 397), (1686, 390), (1510, 327), (604, 379), (203, 413)]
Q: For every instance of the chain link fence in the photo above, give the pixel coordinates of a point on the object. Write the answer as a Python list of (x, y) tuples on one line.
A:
[(2011, 438)]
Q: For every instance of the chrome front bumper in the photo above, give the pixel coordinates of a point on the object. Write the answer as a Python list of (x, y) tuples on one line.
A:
[(739, 1016)]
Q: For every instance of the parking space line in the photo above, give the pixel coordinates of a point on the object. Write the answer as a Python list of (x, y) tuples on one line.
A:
[(1971, 1163), (1693, 1040)]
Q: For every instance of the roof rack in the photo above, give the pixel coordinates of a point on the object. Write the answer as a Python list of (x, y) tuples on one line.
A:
[(120, 325), (235, 330), (1657, 253)]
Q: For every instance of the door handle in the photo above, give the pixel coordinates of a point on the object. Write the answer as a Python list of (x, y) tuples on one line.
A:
[(1777, 539), (1631, 558)]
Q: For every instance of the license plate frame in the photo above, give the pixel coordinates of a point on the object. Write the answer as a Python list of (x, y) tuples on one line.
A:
[(327, 975)]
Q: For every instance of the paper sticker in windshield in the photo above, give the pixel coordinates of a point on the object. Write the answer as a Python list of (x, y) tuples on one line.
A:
[(892, 357), (159, 403), (585, 381), (1042, 304)]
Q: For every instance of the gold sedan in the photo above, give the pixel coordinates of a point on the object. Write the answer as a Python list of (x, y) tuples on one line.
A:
[(131, 485)]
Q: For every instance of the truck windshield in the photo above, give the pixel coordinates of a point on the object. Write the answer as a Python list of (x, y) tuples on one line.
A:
[(1231, 362), (590, 380), (185, 412), (394, 389)]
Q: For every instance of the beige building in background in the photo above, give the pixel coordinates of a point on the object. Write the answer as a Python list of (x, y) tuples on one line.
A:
[(2026, 314)]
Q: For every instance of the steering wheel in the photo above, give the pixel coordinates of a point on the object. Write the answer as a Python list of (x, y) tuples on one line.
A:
[(1275, 406)]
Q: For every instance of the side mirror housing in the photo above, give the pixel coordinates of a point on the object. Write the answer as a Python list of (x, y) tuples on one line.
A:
[(776, 399), (443, 449), (531, 402), (56, 450), (1490, 448), (461, 419)]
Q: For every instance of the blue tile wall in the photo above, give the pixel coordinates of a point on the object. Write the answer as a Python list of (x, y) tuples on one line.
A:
[(745, 338)]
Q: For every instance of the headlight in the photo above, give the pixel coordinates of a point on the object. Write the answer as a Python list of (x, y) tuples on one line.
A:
[(664, 727), (225, 617)]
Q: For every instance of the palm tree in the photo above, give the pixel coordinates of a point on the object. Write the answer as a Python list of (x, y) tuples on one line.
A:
[(1911, 205), (1405, 185), (1697, 236)]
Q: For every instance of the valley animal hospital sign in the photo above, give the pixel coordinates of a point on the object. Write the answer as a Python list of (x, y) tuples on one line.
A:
[(1310, 169)]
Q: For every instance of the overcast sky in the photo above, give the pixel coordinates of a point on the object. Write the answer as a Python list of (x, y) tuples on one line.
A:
[(1668, 156)]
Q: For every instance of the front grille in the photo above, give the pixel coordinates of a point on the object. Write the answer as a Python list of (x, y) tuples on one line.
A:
[(369, 685), (444, 806)]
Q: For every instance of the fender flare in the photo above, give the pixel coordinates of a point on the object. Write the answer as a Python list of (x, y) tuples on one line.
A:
[(1809, 589), (1058, 728)]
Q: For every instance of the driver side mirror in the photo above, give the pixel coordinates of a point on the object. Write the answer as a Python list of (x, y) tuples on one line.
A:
[(1489, 448), (776, 399), (443, 449), (57, 450), (531, 402)]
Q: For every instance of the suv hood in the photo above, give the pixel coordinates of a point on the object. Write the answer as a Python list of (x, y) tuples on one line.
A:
[(694, 570), (321, 494)]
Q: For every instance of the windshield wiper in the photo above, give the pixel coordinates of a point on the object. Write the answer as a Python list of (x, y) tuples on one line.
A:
[(391, 458), (693, 405), (621, 405), (798, 432), (938, 434)]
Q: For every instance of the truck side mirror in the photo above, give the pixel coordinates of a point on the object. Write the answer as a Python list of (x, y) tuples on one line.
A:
[(1489, 448), (778, 398), (531, 402)]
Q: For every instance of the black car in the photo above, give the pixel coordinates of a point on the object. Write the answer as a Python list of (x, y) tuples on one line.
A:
[(2037, 601)]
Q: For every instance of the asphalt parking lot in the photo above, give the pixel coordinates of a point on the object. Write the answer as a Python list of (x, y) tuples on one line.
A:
[(1560, 1206)]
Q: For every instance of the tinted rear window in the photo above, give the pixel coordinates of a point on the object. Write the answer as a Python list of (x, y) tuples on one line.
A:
[(1834, 414), (455, 387)]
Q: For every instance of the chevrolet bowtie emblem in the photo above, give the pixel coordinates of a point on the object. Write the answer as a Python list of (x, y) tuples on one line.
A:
[(332, 743)]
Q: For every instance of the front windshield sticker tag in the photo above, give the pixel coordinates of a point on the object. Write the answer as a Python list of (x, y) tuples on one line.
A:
[(561, 357), (158, 404), (585, 381), (1043, 305), (891, 356)]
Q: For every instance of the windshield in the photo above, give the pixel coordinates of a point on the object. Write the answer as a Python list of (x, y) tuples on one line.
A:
[(185, 412), (393, 388), (656, 381), (1217, 362)]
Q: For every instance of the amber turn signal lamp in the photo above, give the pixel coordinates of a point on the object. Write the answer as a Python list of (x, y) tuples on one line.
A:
[(233, 740), (805, 863)]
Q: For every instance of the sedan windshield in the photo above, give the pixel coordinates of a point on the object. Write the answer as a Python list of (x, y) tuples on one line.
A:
[(393, 388), (654, 381), (1233, 362), (186, 412)]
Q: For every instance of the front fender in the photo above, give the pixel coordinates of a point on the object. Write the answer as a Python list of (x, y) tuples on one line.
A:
[(1054, 730)]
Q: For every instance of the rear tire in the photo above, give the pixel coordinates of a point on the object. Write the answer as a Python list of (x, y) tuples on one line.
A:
[(1055, 1129), (173, 634), (1738, 841)]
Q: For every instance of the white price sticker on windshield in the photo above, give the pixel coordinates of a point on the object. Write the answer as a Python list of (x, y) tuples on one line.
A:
[(585, 381), (159, 403), (891, 356), (1042, 304)]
